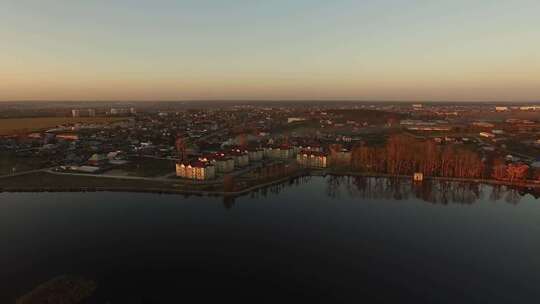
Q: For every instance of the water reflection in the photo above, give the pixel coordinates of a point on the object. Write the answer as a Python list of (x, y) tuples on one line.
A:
[(373, 188), (317, 236)]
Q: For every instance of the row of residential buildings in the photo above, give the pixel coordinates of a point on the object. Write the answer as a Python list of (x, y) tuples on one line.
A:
[(208, 166)]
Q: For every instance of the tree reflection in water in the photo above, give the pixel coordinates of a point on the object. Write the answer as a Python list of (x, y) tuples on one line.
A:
[(431, 191), (374, 188)]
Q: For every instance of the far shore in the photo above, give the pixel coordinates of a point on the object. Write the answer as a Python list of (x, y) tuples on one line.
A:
[(169, 187), (524, 184)]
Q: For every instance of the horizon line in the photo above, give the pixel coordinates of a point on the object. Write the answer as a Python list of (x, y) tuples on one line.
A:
[(270, 100)]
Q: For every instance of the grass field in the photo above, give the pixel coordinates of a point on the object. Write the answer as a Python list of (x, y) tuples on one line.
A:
[(10, 126), (43, 180), (9, 161), (148, 167), (47, 180)]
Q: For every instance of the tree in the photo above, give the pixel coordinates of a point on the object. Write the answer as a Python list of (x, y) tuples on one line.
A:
[(517, 171), (499, 169), (228, 183), (536, 174)]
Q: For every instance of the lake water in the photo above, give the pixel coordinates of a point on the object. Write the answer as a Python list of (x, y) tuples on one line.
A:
[(330, 240)]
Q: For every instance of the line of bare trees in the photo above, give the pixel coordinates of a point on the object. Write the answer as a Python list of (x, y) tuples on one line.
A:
[(404, 155)]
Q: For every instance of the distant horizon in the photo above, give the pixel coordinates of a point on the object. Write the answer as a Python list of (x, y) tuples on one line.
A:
[(275, 100)]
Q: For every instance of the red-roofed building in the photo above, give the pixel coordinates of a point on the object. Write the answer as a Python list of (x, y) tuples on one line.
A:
[(312, 159), (279, 152), (255, 154), (196, 170), (223, 163), (241, 159)]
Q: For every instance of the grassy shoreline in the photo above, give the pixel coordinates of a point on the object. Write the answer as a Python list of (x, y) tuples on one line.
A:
[(46, 182), (526, 183)]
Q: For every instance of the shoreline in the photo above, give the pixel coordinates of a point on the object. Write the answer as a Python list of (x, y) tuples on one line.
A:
[(163, 190), (525, 184), (155, 190)]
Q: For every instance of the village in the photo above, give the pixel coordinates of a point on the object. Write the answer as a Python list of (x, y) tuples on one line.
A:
[(249, 144)]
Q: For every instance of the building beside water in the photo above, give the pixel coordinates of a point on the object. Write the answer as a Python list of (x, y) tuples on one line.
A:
[(312, 159), (196, 170)]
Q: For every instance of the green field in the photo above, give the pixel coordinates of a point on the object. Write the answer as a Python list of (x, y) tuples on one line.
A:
[(9, 126)]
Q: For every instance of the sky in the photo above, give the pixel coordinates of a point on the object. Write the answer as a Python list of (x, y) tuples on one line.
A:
[(411, 50)]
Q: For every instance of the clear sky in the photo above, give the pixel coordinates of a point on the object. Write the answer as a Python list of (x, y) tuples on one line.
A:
[(272, 49)]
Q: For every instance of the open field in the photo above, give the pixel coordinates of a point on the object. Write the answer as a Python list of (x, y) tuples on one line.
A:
[(147, 167), (21, 164), (9, 126), (43, 180)]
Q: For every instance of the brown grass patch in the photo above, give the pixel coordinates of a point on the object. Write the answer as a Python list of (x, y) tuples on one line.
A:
[(10, 126)]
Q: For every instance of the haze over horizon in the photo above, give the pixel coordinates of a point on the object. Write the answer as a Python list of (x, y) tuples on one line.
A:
[(270, 50)]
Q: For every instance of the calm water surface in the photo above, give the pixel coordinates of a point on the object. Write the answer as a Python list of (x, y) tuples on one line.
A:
[(329, 240)]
